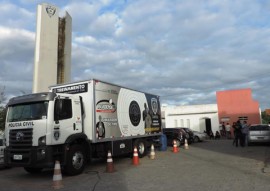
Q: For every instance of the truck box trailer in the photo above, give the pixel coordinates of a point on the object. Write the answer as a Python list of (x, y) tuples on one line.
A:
[(79, 121)]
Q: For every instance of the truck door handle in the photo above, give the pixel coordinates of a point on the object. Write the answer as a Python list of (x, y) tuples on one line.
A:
[(74, 126)]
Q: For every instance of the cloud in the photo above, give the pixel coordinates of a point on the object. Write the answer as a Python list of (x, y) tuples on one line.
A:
[(14, 16), (183, 51), (16, 55)]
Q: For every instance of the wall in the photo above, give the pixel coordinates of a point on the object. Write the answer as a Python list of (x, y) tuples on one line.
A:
[(238, 104), (192, 116)]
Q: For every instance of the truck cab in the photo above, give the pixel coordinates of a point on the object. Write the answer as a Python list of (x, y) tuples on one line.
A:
[(38, 127)]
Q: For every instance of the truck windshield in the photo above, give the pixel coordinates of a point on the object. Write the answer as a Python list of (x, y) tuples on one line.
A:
[(29, 111)]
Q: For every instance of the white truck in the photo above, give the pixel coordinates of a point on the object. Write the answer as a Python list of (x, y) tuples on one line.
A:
[(2, 147), (79, 121)]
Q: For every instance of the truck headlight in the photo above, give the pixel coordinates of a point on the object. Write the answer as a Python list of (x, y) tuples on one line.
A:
[(42, 141)]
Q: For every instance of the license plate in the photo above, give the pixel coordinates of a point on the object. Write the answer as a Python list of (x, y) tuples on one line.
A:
[(260, 137), (17, 157)]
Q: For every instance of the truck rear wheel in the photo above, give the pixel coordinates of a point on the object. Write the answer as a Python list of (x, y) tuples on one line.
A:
[(141, 147), (75, 161)]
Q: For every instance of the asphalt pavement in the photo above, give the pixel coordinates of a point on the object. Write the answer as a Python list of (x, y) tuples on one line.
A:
[(208, 166)]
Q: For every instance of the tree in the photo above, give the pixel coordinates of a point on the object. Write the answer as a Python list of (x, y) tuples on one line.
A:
[(2, 95), (265, 117), (3, 113), (3, 110)]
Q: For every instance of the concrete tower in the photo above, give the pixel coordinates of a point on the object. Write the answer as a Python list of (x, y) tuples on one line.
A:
[(53, 48)]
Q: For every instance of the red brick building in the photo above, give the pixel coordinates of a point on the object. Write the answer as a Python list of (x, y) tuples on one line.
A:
[(236, 105)]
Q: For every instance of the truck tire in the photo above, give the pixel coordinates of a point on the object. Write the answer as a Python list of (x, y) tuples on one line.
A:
[(32, 170), (76, 160), (141, 147)]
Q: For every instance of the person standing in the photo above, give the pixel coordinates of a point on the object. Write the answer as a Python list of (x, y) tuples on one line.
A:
[(220, 128), (234, 128), (228, 130), (244, 131), (238, 133), (223, 130)]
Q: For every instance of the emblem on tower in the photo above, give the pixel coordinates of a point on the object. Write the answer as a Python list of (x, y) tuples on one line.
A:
[(50, 10)]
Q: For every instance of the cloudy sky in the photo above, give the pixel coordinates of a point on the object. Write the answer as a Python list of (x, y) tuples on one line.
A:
[(182, 50)]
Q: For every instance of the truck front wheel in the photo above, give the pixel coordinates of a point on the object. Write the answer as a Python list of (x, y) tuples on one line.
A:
[(75, 160)]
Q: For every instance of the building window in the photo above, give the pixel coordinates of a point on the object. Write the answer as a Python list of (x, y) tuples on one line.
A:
[(182, 122), (243, 118), (175, 123), (188, 123), (225, 119)]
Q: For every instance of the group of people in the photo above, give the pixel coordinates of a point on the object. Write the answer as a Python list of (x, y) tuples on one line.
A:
[(240, 131), (225, 130)]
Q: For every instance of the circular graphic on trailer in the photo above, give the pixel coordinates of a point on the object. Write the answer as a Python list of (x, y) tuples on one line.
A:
[(129, 112), (134, 113)]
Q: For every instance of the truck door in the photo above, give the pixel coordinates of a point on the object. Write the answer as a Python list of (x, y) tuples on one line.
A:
[(67, 118)]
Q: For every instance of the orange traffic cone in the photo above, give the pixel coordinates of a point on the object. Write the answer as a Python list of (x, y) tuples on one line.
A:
[(57, 176), (175, 149), (110, 166), (186, 144), (152, 153), (135, 157)]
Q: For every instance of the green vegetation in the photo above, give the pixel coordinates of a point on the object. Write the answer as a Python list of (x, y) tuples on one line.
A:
[(265, 117), (2, 109), (2, 117)]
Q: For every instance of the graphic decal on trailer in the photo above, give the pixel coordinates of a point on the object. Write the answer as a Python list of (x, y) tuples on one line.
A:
[(106, 96), (72, 89), (153, 118), (105, 106), (100, 128), (123, 112), (147, 118), (134, 113)]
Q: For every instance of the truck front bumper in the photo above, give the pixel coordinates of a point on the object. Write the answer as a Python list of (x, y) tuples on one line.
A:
[(36, 157)]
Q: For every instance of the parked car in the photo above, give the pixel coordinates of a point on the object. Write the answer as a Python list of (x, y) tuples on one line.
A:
[(177, 134), (191, 134), (258, 133), (199, 137)]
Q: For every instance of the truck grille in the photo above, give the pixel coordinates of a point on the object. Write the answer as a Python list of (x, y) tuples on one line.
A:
[(20, 138), (20, 143)]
